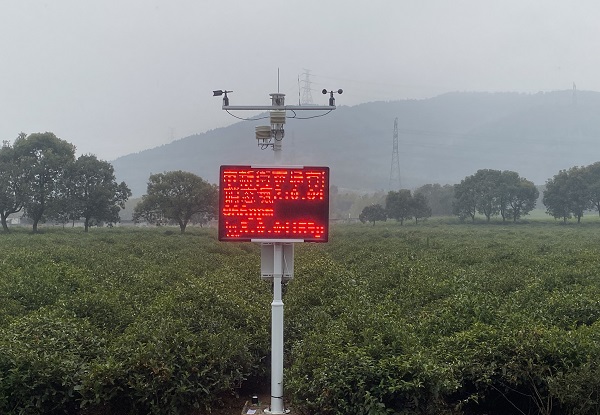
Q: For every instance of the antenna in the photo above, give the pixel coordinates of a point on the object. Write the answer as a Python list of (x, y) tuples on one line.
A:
[(395, 167)]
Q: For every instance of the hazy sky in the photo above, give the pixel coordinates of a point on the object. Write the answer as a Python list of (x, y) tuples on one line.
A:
[(119, 76)]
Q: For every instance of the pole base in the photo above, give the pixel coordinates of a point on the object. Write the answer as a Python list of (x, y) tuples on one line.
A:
[(260, 409), (285, 411)]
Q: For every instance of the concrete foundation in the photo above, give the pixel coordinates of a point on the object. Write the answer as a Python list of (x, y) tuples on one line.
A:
[(260, 408)]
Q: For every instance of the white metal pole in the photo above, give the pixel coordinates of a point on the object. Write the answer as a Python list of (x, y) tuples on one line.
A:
[(277, 125), (277, 333)]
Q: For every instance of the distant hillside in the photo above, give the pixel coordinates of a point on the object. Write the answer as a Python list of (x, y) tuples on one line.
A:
[(441, 139)]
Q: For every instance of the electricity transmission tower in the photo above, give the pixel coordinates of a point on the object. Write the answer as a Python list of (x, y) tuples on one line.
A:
[(306, 94), (395, 167)]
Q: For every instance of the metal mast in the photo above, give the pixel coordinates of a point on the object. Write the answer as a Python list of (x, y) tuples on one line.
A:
[(276, 254), (395, 167)]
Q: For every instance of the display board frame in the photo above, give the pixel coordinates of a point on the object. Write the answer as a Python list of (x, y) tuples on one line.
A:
[(273, 203)]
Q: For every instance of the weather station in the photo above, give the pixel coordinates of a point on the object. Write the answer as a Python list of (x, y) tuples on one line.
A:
[(276, 206)]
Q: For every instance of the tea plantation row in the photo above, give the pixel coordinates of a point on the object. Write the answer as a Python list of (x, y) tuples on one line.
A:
[(129, 321), (442, 318)]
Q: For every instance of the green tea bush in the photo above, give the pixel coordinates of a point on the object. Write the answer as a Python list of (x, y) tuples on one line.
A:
[(463, 319), (43, 358), (125, 321), (164, 367), (439, 318)]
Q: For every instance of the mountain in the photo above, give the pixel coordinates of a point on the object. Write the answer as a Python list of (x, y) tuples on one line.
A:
[(441, 140)]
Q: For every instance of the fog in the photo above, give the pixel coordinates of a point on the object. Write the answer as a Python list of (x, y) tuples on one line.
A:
[(116, 77)]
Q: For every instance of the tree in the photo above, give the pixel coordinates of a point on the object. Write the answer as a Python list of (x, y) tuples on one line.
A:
[(592, 177), (578, 192), (556, 196), (398, 205), (419, 207), (147, 210), (465, 199), (492, 192), (177, 196), (487, 192), (372, 213), (516, 196), (45, 158), (507, 183), (12, 183), (93, 192), (521, 199)]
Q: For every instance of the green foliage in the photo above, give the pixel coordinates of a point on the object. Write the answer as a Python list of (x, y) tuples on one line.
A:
[(93, 192), (403, 205), (494, 192), (488, 197), (429, 319), (399, 205), (128, 321), (465, 203), (447, 320), (419, 207), (39, 175), (44, 357), (373, 213), (556, 198), (592, 178), (177, 196), (44, 158), (12, 183), (572, 192), (521, 197)]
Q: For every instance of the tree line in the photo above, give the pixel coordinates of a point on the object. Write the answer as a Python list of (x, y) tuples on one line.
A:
[(182, 197), (401, 205), (569, 194), (40, 176), (487, 192), (492, 193)]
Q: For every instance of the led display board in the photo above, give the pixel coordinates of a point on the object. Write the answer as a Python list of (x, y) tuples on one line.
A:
[(274, 203)]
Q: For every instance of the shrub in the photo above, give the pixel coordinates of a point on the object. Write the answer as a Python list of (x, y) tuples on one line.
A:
[(43, 358)]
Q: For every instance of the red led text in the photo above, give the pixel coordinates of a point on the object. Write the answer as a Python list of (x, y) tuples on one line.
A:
[(273, 203)]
